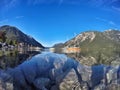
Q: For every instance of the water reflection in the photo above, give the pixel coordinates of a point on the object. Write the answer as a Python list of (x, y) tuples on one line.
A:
[(12, 58), (40, 70), (90, 57), (50, 71), (72, 52), (66, 50)]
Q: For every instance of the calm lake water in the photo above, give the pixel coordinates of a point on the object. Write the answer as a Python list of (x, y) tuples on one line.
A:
[(36, 70), (12, 58), (49, 66)]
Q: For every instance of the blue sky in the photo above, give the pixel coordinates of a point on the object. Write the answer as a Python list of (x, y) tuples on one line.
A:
[(54, 21)]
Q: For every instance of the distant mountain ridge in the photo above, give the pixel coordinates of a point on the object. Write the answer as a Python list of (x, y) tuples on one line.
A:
[(14, 34), (89, 37), (97, 47)]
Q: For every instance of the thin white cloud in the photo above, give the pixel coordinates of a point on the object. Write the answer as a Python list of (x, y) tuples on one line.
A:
[(101, 19), (11, 3), (102, 2), (107, 5), (7, 20), (60, 2), (8, 4), (35, 2), (116, 8), (112, 23), (106, 21), (18, 17), (3, 21), (38, 1)]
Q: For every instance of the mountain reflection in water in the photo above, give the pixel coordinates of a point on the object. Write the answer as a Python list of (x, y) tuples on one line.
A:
[(12, 58), (50, 71)]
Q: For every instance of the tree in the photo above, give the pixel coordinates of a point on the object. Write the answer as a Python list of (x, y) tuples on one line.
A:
[(11, 42), (2, 36), (99, 58)]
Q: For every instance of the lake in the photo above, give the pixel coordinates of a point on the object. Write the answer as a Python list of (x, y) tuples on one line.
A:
[(12, 58), (45, 70)]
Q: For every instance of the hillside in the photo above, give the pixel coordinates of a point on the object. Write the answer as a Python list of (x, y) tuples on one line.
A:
[(14, 35), (97, 47)]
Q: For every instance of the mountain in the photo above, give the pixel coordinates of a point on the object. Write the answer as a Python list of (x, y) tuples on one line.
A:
[(13, 34), (95, 37), (98, 47), (58, 45)]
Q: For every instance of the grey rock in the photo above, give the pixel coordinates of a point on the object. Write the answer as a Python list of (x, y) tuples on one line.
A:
[(6, 81), (41, 83), (113, 87), (54, 73), (27, 71), (85, 72), (19, 80), (65, 81), (9, 86), (111, 74), (97, 75), (57, 72), (100, 87), (54, 88)]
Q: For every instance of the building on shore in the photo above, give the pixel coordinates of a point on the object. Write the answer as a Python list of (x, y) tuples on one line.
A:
[(71, 50)]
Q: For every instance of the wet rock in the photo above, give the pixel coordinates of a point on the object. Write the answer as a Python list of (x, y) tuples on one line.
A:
[(6, 85), (111, 74), (44, 67), (41, 83), (65, 82), (27, 72), (9, 86), (57, 72), (2, 85), (54, 88), (101, 86), (85, 72), (19, 80), (54, 73), (97, 75), (70, 63), (84, 86), (113, 87), (6, 81), (58, 63)]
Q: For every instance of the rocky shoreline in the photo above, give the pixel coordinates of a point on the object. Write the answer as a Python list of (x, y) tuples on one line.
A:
[(58, 72)]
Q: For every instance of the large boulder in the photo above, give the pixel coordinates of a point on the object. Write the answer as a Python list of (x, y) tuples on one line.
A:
[(29, 71), (101, 86), (41, 83), (54, 73), (54, 88), (68, 80), (111, 74), (113, 86), (97, 75), (20, 82), (85, 72), (57, 72), (6, 81)]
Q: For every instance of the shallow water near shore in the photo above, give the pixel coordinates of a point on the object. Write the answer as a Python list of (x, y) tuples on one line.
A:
[(52, 71)]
